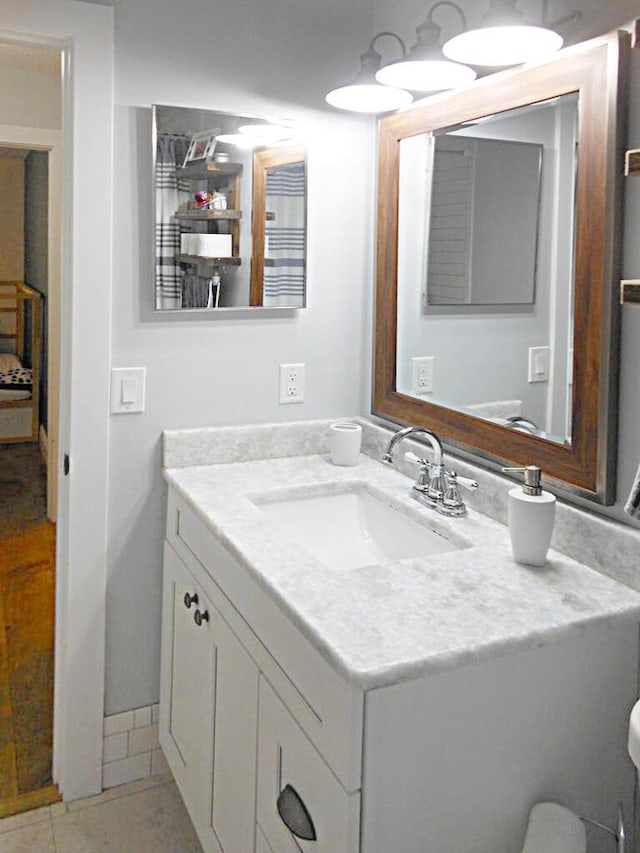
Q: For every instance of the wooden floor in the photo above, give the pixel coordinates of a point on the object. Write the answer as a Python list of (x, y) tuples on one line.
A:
[(27, 596)]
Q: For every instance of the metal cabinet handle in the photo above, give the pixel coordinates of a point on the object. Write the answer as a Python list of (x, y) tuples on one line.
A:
[(200, 616), (294, 814), (190, 599)]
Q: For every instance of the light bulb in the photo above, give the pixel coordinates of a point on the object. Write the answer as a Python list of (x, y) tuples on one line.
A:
[(368, 98), (266, 132), (497, 46), (425, 75)]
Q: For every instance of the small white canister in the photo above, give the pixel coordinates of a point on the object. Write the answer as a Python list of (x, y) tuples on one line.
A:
[(345, 439)]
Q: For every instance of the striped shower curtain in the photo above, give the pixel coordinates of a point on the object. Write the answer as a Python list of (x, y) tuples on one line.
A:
[(170, 194), (285, 236)]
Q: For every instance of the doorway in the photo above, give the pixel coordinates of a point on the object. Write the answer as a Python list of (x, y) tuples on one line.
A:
[(29, 415)]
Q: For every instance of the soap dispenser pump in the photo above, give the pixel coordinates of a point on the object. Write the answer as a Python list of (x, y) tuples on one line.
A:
[(531, 514)]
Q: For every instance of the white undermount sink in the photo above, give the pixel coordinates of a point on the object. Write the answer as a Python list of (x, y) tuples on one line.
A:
[(348, 529)]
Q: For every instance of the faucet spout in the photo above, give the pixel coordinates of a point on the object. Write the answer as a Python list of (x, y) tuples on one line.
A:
[(434, 487), (431, 438)]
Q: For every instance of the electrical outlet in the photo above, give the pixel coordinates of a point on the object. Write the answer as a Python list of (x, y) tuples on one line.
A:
[(422, 374), (291, 383)]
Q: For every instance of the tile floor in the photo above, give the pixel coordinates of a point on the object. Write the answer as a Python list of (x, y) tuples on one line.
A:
[(142, 817)]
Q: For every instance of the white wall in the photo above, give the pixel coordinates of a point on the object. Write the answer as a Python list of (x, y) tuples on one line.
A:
[(11, 217), (30, 98), (272, 58)]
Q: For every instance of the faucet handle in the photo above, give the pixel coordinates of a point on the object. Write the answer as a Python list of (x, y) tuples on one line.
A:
[(422, 480), (452, 503), (411, 457), (454, 479)]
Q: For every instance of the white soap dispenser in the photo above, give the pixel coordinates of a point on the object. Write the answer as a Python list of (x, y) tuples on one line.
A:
[(532, 513)]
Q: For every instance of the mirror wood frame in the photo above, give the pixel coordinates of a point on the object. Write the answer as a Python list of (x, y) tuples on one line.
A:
[(597, 71), (269, 158)]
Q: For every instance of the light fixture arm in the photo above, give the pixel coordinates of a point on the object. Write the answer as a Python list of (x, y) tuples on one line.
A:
[(571, 18), (463, 17), (371, 59)]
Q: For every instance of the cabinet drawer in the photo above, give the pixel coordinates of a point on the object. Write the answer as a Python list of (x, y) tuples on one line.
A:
[(301, 804), (328, 709)]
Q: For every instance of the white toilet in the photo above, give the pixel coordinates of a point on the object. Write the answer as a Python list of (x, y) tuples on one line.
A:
[(555, 829)]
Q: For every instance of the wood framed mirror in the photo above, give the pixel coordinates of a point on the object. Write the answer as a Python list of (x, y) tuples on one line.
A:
[(423, 350)]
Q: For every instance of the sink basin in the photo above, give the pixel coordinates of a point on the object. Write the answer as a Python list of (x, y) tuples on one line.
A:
[(348, 529)]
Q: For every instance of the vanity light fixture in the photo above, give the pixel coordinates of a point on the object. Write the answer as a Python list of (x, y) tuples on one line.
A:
[(425, 68), (507, 38), (365, 94)]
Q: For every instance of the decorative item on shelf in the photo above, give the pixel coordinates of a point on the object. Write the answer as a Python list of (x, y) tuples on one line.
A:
[(632, 163), (201, 148), (206, 245)]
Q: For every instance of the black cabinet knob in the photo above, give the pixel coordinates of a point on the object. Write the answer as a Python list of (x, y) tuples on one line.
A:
[(201, 616), (190, 599), (294, 814)]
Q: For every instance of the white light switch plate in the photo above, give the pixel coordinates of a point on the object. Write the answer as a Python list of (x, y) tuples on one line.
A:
[(539, 364), (127, 390)]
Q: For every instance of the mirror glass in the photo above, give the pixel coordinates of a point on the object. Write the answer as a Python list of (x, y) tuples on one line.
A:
[(485, 266), (230, 211)]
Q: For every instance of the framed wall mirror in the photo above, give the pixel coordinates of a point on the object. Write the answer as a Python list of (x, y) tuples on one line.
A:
[(497, 266), (230, 232)]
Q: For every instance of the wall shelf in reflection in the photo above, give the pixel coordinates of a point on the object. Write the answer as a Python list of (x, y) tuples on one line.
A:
[(209, 262), (208, 215), (207, 171)]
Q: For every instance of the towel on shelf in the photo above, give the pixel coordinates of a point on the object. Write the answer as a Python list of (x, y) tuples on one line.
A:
[(632, 506)]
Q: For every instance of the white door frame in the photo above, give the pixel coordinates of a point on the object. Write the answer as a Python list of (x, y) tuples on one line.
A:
[(84, 34), (49, 141)]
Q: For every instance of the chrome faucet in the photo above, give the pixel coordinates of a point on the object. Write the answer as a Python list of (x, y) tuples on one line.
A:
[(434, 487)]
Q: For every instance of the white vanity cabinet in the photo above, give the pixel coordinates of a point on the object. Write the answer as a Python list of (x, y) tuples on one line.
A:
[(237, 729), (276, 751)]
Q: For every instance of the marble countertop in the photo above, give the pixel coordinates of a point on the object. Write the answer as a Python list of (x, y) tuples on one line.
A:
[(382, 624)]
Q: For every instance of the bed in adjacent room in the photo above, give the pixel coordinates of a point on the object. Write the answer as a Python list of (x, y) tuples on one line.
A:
[(20, 359)]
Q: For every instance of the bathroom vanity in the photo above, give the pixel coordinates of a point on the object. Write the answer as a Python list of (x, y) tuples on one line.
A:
[(418, 703)]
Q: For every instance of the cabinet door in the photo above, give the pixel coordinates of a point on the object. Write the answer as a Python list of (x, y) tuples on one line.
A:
[(208, 714), (235, 743), (187, 688)]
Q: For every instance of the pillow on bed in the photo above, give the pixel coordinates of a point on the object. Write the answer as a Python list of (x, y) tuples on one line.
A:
[(13, 376)]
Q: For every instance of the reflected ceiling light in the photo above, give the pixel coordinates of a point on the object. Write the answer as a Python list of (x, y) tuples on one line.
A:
[(365, 94), (425, 68), (239, 139), (266, 132), (506, 38)]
